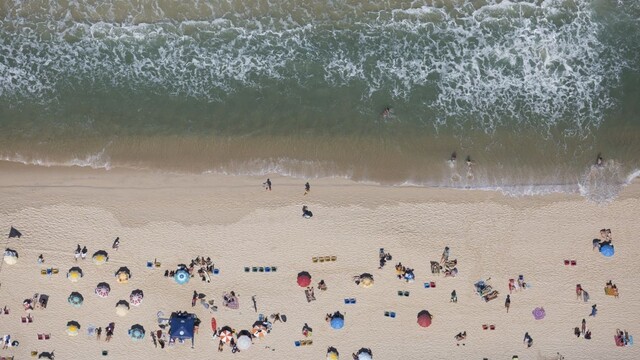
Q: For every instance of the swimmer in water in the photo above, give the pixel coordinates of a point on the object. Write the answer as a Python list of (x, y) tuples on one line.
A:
[(469, 162), (453, 157), (600, 160), (386, 112)]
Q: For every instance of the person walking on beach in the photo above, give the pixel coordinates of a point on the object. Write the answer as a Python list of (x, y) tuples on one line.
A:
[(267, 184), (116, 243), (194, 298), (507, 302), (83, 254), (594, 310), (445, 255), (578, 291), (528, 340), (99, 333), (78, 252), (584, 326), (307, 188), (454, 297)]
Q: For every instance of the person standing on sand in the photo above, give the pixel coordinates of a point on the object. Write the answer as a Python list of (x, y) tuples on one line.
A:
[(267, 184), (194, 298), (116, 243), (594, 311), (507, 302), (307, 188), (584, 326), (528, 339), (578, 291), (454, 297), (99, 333)]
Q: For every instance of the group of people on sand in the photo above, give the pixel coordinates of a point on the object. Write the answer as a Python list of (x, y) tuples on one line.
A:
[(81, 252), (384, 257), (582, 330), (623, 338), (405, 273), (605, 239)]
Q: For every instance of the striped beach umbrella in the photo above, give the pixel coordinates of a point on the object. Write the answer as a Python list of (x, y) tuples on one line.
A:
[(226, 335), (136, 297), (103, 290)]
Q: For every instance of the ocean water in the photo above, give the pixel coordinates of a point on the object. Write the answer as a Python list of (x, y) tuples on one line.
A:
[(531, 90)]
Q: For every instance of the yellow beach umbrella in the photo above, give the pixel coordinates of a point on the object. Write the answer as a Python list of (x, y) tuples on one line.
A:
[(332, 356), (366, 280), (72, 328), (74, 274), (100, 257)]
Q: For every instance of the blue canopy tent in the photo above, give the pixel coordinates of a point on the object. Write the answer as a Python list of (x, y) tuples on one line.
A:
[(181, 325)]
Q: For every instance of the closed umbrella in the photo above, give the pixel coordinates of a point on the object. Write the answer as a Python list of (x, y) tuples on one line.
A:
[(538, 313), (74, 274), (122, 308), (337, 320), (607, 250), (72, 328), (304, 279), (182, 276), (136, 297), (10, 257), (75, 299), (103, 290), (244, 341), (424, 318), (100, 257)]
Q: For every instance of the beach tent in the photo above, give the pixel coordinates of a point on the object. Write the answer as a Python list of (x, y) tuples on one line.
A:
[(424, 318), (100, 257), (103, 289), (182, 276), (75, 299), (181, 326), (244, 340), (136, 297), (122, 308), (332, 353), (123, 275), (10, 257), (136, 333), (304, 279), (607, 250), (74, 274), (337, 320), (14, 233), (226, 335), (366, 280), (364, 354), (72, 328)]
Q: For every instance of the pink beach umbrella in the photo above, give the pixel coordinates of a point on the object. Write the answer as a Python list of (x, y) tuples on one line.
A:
[(538, 313), (304, 279), (136, 297), (103, 290)]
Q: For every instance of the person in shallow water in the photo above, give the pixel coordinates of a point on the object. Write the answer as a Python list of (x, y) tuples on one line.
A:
[(600, 160), (386, 112)]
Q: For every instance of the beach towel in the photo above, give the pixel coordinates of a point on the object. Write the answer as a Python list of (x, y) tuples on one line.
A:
[(310, 296)]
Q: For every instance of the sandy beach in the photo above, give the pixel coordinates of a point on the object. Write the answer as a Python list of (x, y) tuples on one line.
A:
[(174, 218)]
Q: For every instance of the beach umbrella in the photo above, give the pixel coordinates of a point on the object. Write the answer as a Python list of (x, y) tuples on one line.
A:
[(182, 276), (100, 257), (258, 332), (538, 313), (46, 355), (226, 335), (103, 289), (122, 275), (366, 280), (244, 340), (122, 308), (337, 320), (10, 257), (72, 328), (75, 299), (74, 274), (332, 353), (136, 333), (424, 318), (14, 233), (607, 250), (136, 297), (364, 354), (304, 279)]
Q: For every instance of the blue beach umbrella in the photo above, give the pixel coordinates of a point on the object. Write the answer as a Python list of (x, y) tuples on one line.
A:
[(182, 276), (75, 299), (607, 250), (136, 332), (337, 320)]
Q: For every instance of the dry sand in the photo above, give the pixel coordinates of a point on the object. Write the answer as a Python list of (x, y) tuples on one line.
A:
[(175, 218)]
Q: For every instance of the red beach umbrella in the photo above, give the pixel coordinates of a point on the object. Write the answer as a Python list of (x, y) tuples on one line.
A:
[(304, 279), (424, 318)]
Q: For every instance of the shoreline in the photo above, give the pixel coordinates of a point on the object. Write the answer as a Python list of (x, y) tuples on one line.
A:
[(174, 218)]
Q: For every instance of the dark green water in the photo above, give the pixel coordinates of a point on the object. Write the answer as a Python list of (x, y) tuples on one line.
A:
[(531, 90)]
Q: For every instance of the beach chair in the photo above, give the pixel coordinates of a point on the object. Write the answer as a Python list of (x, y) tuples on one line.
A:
[(334, 258), (216, 271), (274, 269), (296, 343), (247, 269), (327, 258), (314, 259)]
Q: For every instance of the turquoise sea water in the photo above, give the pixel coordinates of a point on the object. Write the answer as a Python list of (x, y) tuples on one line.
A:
[(531, 90)]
